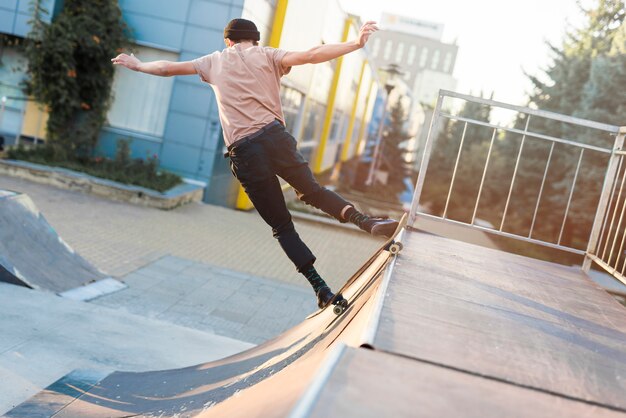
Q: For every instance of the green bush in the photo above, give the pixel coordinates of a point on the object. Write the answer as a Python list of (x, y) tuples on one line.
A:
[(122, 169)]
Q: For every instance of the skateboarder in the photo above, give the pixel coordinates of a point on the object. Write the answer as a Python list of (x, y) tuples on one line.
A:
[(246, 80)]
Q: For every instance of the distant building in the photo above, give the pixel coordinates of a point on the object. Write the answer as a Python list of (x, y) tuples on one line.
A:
[(417, 48), (427, 62)]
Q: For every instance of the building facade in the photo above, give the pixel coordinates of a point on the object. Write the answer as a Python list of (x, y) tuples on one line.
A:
[(416, 47), (327, 106)]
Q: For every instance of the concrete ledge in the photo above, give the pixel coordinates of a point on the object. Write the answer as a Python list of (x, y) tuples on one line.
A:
[(72, 180)]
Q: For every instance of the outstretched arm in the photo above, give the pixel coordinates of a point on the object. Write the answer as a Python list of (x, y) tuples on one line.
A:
[(160, 68), (328, 52)]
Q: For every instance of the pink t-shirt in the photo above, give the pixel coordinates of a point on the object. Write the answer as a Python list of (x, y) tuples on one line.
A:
[(246, 81)]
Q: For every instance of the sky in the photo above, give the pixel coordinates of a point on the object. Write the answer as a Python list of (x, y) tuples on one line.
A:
[(498, 40)]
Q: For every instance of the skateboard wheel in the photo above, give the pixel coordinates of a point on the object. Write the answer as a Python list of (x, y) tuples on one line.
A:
[(395, 248), (338, 309)]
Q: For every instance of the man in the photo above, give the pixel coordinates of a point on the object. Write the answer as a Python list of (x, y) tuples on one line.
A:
[(246, 81)]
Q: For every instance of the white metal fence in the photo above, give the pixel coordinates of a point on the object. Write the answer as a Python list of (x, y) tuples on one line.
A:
[(605, 206)]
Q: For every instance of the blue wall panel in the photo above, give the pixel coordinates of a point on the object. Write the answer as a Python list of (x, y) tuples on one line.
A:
[(202, 41), (164, 9), (213, 139), (22, 27), (6, 21), (168, 34), (192, 98), (180, 158), (15, 14), (209, 14), (185, 129)]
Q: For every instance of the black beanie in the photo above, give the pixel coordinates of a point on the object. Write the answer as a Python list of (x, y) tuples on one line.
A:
[(238, 29)]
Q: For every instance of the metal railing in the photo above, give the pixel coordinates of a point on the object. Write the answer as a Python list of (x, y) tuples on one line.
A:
[(605, 241)]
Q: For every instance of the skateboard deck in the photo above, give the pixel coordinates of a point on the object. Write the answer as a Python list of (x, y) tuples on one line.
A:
[(339, 304)]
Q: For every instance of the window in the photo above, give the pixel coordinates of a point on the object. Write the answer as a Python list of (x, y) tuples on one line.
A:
[(142, 109), (447, 62), (292, 103), (411, 57), (376, 47), (312, 125), (387, 53), (423, 57), (435, 62), (400, 52)]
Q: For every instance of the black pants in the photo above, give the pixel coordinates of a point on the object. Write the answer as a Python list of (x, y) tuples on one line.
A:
[(257, 162)]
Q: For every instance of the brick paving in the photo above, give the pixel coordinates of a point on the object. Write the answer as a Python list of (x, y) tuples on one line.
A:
[(200, 266), (119, 238)]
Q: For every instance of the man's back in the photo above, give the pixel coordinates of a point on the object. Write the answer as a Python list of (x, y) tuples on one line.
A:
[(246, 81)]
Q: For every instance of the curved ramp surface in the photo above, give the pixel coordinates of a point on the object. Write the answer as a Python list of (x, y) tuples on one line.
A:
[(285, 366), (455, 330), (32, 254)]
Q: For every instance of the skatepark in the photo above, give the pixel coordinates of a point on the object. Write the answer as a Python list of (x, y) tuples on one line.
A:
[(451, 325), (459, 336)]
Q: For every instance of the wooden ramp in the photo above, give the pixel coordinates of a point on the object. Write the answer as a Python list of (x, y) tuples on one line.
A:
[(470, 331), (452, 329)]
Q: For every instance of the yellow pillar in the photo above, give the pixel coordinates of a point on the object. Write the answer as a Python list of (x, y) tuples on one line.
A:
[(330, 104), (243, 202), (364, 116), (346, 144)]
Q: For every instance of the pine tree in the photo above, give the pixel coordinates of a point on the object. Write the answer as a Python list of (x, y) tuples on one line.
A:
[(392, 155), (586, 80)]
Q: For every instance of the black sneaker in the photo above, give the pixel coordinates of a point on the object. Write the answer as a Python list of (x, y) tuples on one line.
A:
[(324, 297), (384, 227)]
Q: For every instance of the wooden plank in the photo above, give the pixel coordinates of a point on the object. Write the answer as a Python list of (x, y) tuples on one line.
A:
[(491, 313), (368, 383)]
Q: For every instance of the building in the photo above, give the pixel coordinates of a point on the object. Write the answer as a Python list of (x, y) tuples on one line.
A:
[(428, 64), (416, 47), (327, 106)]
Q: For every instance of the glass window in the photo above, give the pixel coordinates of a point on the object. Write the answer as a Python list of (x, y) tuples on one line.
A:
[(447, 62), (335, 127), (435, 62), (376, 47), (142, 109), (313, 121), (400, 52), (423, 57), (292, 103), (387, 53), (411, 57)]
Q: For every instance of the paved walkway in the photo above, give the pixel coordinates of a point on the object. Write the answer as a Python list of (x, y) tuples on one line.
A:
[(120, 238), (212, 299)]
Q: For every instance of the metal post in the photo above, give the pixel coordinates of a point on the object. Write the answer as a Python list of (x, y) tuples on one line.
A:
[(482, 180), (519, 156), (456, 166), (425, 158), (604, 198), (571, 194), (543, 183)]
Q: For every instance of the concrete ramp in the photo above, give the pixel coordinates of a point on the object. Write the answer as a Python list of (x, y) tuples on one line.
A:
[(32, 254)]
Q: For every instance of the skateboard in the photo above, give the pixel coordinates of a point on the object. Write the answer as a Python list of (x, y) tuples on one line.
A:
[(339, 303)]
